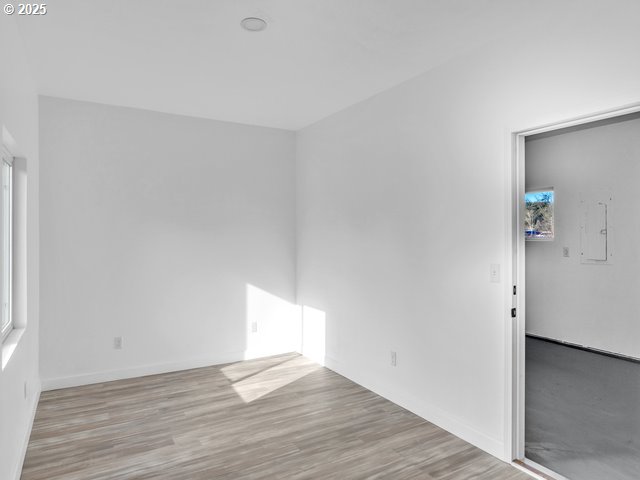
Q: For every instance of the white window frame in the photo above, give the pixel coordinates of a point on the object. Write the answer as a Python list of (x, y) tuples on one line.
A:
[(6, 268)]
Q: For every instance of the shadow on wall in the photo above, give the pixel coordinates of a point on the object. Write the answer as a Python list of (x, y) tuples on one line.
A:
[(275, 326)]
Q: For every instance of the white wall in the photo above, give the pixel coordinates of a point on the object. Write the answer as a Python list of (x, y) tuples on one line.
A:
[(403, 201), (591, 305), (167, 231), (19, 118)]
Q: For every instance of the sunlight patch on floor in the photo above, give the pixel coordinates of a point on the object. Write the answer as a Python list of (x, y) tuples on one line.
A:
[(256, 386), (241, 370)]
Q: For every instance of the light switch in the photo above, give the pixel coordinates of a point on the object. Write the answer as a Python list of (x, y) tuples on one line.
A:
[(495, 273)]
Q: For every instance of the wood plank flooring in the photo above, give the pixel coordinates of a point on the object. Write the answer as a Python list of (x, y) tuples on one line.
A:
[(281, 417)]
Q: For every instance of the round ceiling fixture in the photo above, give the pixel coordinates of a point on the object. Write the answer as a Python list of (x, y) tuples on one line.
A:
[(253, 24)]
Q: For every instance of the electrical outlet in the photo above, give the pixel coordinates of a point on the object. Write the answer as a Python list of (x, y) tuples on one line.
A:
[(117, 343), (565, 251), (394, 359), (254, 327)]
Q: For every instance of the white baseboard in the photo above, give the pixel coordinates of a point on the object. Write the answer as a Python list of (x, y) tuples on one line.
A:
[(141, 371), (586, 348), (25, 441), (430, 413)]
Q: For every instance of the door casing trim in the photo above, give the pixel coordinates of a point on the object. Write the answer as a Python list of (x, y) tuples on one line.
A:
[(515, 259)]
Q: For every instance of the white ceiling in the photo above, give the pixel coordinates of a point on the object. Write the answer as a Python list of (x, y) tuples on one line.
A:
[(191, 57)]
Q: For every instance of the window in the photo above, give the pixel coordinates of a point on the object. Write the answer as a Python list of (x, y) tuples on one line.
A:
[(6, 237), (538, 220)]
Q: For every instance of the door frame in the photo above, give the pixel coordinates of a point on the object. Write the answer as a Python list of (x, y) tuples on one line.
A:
[(515, 331)]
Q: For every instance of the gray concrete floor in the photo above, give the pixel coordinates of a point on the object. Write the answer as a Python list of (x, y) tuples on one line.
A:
[(582, 413)]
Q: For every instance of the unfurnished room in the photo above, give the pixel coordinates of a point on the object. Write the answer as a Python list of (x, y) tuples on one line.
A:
[(313, 240)]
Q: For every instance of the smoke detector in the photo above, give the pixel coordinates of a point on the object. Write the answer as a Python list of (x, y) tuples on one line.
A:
[(253, 24)]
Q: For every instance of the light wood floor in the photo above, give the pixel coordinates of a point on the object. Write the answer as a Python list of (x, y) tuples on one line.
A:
[(281, 417)]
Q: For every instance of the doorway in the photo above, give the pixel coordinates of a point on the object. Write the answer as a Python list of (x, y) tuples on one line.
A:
[(572, 416)]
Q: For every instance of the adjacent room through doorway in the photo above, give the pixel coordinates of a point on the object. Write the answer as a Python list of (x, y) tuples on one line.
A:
[(582, 393)]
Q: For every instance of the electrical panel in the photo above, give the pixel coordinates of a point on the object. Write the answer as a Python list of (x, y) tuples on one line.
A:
[(596, 246)]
